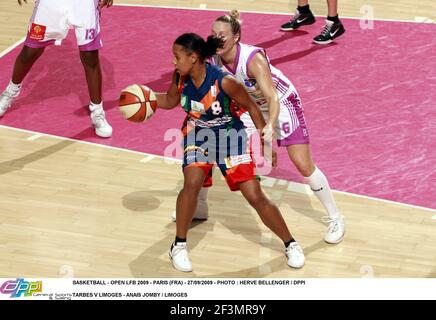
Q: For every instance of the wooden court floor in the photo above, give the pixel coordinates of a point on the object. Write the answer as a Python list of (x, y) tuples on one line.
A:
[(102, 212), (69, 208)]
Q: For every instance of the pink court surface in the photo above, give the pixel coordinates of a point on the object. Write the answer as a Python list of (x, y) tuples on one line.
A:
[(369, 98)]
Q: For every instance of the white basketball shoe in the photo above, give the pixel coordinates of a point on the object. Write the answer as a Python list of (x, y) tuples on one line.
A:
[(6, 100), (98, 119), (179, 257), (295, 255), (336, 229)]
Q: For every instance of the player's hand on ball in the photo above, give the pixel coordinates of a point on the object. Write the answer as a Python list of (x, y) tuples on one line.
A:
[(137, 103)]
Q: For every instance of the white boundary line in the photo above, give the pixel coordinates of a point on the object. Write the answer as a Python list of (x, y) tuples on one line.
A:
[(39, 134), (385, 201), (34, 137), (144, 154), (147, 159), (249, 11), (12, 47), (173, 160)]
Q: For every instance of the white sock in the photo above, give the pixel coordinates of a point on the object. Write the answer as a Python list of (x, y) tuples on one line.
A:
[(93, 106), (202, 207), (203, 194), (320, 186), (13, 88)]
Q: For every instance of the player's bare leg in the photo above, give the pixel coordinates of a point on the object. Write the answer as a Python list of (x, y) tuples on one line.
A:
[(301, 157), (91, 64), (23, 63), (185, 208), (273, 219)]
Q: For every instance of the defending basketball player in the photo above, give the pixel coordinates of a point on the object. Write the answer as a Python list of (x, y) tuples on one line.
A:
[(278, 99), (49, 23), (213, 134)]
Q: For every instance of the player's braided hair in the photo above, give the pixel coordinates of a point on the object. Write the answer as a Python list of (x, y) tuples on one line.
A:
[(194, 43)]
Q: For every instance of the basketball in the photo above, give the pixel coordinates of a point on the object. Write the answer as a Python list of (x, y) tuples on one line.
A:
[(137, 103)]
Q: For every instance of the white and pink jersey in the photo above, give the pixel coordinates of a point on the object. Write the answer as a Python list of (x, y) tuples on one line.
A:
[(51, 20), (291, 127)]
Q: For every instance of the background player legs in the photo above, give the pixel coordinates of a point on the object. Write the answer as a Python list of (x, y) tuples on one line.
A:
[(302, 3), (91, 64), (332, 6), (24, 62), (304, 16)]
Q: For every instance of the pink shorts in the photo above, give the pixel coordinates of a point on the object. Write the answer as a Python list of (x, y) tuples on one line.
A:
[(291, 126), (299, 136)]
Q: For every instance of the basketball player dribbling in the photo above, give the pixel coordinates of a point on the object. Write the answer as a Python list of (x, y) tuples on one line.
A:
[(50, 22), (214, 134), (280, 103)]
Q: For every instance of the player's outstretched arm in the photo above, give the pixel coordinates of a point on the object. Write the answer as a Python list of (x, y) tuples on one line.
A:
[(171, 98)]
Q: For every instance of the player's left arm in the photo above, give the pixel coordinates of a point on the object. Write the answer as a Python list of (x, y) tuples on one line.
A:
[(236, 91), (171, 98), (258, 68), (105, 3)]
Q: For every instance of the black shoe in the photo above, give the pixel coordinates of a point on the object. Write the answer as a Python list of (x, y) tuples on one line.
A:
[(331, 31), (298, 20)]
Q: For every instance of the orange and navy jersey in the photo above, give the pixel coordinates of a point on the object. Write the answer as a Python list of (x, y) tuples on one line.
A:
[(208, 107), (210, 112)]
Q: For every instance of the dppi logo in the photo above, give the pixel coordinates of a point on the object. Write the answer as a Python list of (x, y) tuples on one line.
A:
[(18, 287)]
